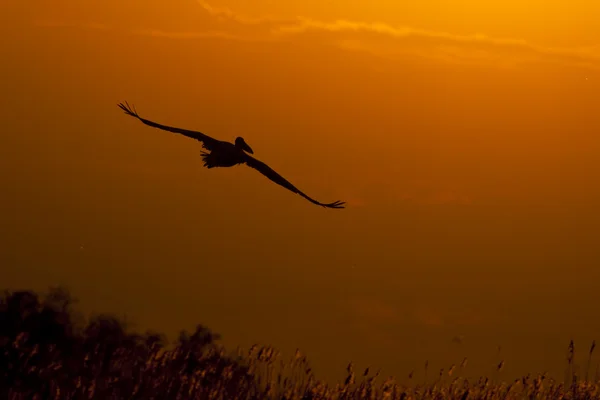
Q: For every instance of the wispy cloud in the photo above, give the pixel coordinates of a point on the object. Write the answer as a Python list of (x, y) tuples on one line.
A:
[(374, 310), (377, 312), (374, 37), (373, 318), (225, 13), (434, 192), (447, 45), (194, 35), (450, 197), (428, 316)]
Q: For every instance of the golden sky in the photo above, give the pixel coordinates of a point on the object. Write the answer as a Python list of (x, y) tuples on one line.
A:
[(464, 136)]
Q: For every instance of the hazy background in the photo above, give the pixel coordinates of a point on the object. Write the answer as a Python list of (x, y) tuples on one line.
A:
[(463, 135)]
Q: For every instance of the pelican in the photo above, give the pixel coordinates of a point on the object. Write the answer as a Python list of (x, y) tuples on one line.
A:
[(225, 154)]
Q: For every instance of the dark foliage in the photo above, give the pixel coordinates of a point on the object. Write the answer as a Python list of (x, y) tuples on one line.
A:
[(48, 351), (44, 352)]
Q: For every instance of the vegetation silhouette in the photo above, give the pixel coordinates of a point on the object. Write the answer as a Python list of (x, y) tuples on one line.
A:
[(49, 351), (225, 154)]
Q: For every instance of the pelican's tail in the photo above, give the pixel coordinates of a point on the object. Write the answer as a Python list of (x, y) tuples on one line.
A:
[(208, 159)]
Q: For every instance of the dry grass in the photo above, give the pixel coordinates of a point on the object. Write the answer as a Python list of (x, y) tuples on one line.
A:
[(45, 355)]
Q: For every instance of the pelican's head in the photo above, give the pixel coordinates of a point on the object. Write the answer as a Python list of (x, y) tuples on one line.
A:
[(241, 143)]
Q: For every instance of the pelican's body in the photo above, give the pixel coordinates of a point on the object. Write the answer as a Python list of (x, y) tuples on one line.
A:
[(226, 154)]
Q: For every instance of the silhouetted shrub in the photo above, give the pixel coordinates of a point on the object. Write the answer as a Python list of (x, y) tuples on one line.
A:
[(48, 351)]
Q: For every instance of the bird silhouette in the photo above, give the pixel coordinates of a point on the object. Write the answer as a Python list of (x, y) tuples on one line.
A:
[(226, 154)]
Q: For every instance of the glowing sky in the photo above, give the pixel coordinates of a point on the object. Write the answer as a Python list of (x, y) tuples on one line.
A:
[(463, 135)]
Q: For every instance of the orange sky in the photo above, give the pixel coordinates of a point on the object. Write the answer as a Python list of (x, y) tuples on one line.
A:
[(463, 135)]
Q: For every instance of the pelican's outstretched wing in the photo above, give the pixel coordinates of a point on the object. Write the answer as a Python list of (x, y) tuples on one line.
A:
[(278, 179), (207, 142)]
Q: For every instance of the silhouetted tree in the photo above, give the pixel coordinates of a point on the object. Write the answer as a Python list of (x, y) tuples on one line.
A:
[(47, 349)]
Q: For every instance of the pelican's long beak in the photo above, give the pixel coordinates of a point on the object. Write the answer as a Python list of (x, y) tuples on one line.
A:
[(247, 148)]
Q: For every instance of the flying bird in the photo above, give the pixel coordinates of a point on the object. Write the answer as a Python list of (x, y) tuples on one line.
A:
[(226, 154)]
